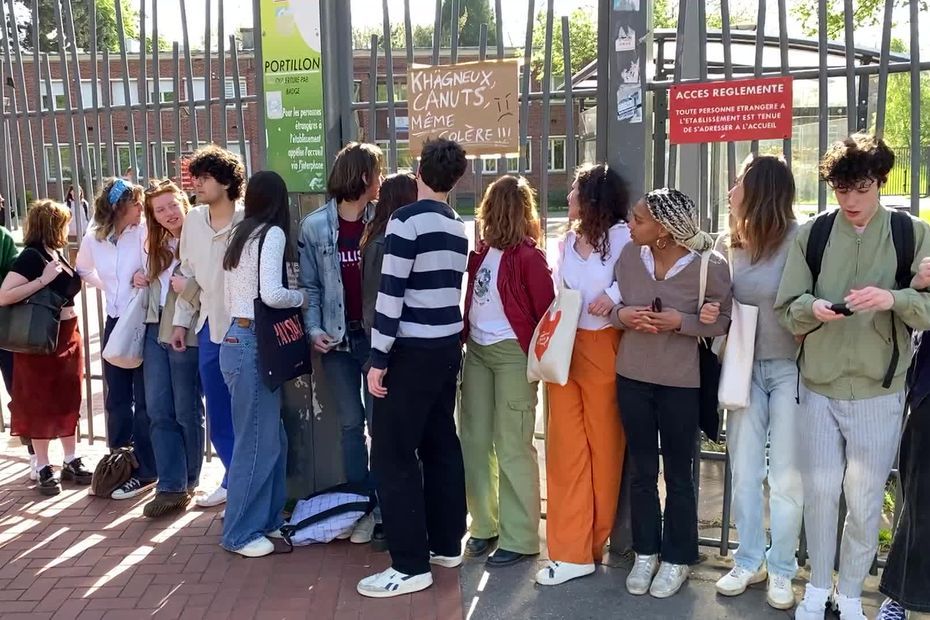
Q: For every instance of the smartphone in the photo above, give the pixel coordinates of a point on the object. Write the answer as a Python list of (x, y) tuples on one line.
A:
[(841, 309), (657, 304)]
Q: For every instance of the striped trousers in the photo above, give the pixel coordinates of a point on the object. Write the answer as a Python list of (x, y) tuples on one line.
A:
[(847, 446)]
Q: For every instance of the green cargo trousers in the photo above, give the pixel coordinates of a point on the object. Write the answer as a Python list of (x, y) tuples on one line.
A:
[(497, 421)]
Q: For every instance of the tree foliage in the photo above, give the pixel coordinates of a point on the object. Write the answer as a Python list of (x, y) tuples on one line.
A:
[(49, 38), (582, 37), (865, 13), (898, 106), (472, 13), (665, 14)]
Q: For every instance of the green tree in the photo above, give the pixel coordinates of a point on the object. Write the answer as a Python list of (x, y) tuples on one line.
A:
[(582, 37), (898, 105), (49, 38), (865, 13), (665, 14), (472, 13)]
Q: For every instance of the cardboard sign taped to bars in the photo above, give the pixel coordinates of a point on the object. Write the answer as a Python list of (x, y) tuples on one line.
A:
[(474, 103)]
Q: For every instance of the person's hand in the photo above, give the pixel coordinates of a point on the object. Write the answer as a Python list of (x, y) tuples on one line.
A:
[(636, 318), (921, 279), (51, 271), (710, 313), (178, 339), (822, 312), (376, 382), (178, 284), (601, 306), (665, 321), (323, 343), (139, 280), (480, 245), (870, 298)]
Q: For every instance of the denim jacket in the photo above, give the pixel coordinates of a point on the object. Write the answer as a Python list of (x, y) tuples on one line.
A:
[(320, 272)]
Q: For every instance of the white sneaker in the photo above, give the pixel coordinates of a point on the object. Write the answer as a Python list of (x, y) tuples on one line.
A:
[(738, 579), (446, 561), (813, 605), (779, 592), (559, 572), (848, 608), (640, 577), (346, 535), (363, 530), (131, 488), (669, 579), (33, 467), (213, 499), (257, 548), (390, 583)]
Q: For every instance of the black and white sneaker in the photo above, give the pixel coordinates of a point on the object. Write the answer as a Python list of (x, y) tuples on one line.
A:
[(131, 488), (390, 583), (48, 482), (76, 471)]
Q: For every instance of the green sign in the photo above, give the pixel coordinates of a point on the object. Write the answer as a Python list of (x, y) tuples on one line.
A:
[(293, 78)]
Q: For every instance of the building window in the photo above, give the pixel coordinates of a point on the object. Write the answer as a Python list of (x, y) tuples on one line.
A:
[(556, 154), (404, 160), (489, 166), (231, 92), (51, 165), (166, 91), (400, 90)]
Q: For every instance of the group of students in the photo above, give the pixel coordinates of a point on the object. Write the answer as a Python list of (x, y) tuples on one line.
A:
[(381, 269)]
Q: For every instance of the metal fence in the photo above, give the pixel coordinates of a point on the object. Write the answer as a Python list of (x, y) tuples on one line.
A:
[(202, 116)]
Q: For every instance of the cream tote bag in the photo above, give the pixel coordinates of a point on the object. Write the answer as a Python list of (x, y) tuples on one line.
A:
[(737, 351), (550, 354), (124, 347)]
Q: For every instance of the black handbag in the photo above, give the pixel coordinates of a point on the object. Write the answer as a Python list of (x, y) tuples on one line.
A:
[(709, 366), (283, 346), (31, 326)]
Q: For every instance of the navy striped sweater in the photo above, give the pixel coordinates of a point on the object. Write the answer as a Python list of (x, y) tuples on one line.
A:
[(425, 255)]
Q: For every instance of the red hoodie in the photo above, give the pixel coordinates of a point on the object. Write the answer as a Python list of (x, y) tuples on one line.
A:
[(524, 282)]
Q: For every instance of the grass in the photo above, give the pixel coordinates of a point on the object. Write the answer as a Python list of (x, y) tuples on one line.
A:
[(884, 539)]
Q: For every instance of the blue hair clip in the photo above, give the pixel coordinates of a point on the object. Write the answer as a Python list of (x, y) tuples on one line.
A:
[(119, 188)]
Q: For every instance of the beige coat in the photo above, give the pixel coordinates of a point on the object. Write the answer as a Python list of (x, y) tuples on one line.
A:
[(165, 319)]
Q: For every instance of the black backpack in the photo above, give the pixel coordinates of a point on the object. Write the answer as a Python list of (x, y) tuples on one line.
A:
[(902, 235)]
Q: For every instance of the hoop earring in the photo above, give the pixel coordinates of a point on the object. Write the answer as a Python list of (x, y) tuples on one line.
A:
[(662, 243)]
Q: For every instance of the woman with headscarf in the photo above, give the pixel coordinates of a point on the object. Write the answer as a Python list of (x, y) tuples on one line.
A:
[(658, 377)]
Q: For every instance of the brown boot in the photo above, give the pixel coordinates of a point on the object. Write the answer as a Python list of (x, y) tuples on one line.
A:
[(166, 503)]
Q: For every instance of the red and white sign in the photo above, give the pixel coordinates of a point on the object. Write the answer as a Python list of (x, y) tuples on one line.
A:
[(730, 111)]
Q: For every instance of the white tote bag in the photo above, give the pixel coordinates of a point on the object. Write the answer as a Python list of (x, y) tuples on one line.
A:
[(550, 354), (737, 352), (124, 348)]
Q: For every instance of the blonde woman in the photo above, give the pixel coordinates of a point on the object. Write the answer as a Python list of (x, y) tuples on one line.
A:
[(111, 259), (173, 395)]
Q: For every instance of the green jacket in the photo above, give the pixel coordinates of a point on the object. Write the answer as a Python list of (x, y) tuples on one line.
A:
[(8, 252), (848, 359)]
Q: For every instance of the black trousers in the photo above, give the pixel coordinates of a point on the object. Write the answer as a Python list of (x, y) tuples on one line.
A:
[(906, 578), (414, 425), (650, 412)]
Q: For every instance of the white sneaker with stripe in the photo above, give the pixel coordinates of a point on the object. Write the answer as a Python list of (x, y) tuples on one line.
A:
[(390, 583)]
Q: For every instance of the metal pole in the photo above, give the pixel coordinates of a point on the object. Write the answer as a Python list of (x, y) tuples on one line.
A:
[(237, 91), (525, 89), (389, 77), (188, 65), (160, 162), (822, 121), (56, 146), (143, 84), (221, 59), (915, 109), (208, 73), (546, 116), (124, 62)]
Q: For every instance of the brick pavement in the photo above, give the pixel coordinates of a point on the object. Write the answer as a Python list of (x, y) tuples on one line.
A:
[(77, 556)]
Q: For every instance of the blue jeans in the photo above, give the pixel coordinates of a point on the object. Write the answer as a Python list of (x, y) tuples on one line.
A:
[(175, 405), (127, 418), (257, 491), (771, 418), (217, 396), (346, 380)]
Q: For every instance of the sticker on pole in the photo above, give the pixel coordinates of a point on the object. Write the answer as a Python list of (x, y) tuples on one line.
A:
[(730, 111)]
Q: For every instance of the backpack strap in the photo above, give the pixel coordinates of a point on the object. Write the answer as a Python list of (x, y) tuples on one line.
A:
[(902, 236), (817, 244)]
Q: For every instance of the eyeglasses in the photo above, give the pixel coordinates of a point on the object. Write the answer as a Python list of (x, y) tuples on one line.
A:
[(158, 187), (861, 186)]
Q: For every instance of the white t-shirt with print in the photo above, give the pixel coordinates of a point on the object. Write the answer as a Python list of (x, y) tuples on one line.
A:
[(488, 323)]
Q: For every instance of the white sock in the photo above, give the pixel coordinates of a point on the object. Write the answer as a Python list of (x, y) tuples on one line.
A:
[(41, 464), (69, 457)]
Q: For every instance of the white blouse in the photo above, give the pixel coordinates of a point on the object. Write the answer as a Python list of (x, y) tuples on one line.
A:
[(594, 275), (241, 283)]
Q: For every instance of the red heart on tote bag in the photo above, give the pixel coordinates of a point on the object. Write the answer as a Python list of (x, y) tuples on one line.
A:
[(546, 328)]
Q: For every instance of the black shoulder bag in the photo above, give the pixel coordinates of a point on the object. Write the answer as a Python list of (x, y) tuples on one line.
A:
[(31, 326), (283, 347)]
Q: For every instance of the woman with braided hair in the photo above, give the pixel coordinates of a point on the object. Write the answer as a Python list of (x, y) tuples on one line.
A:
[(658, 377), (585, 448)]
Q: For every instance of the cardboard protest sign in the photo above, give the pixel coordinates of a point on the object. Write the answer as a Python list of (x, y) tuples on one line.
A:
[(473, 103)]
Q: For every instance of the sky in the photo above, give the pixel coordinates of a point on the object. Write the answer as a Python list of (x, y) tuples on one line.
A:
[(368, 13)]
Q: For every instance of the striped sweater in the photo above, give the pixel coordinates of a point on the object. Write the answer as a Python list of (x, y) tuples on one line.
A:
[(425, 256)]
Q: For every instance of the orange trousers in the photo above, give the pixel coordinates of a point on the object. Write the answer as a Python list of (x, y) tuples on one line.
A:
[(584, 451)]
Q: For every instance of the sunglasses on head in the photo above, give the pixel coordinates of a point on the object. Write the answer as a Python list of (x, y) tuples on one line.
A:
[(157, 187)]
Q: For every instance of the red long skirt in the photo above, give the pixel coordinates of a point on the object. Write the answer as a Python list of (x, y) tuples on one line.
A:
[(46, 401)]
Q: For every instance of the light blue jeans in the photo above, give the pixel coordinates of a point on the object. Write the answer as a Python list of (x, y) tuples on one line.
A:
[(771, 418), (256, 490)]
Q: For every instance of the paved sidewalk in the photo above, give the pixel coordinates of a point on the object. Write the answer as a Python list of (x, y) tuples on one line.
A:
[(76, 556)]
